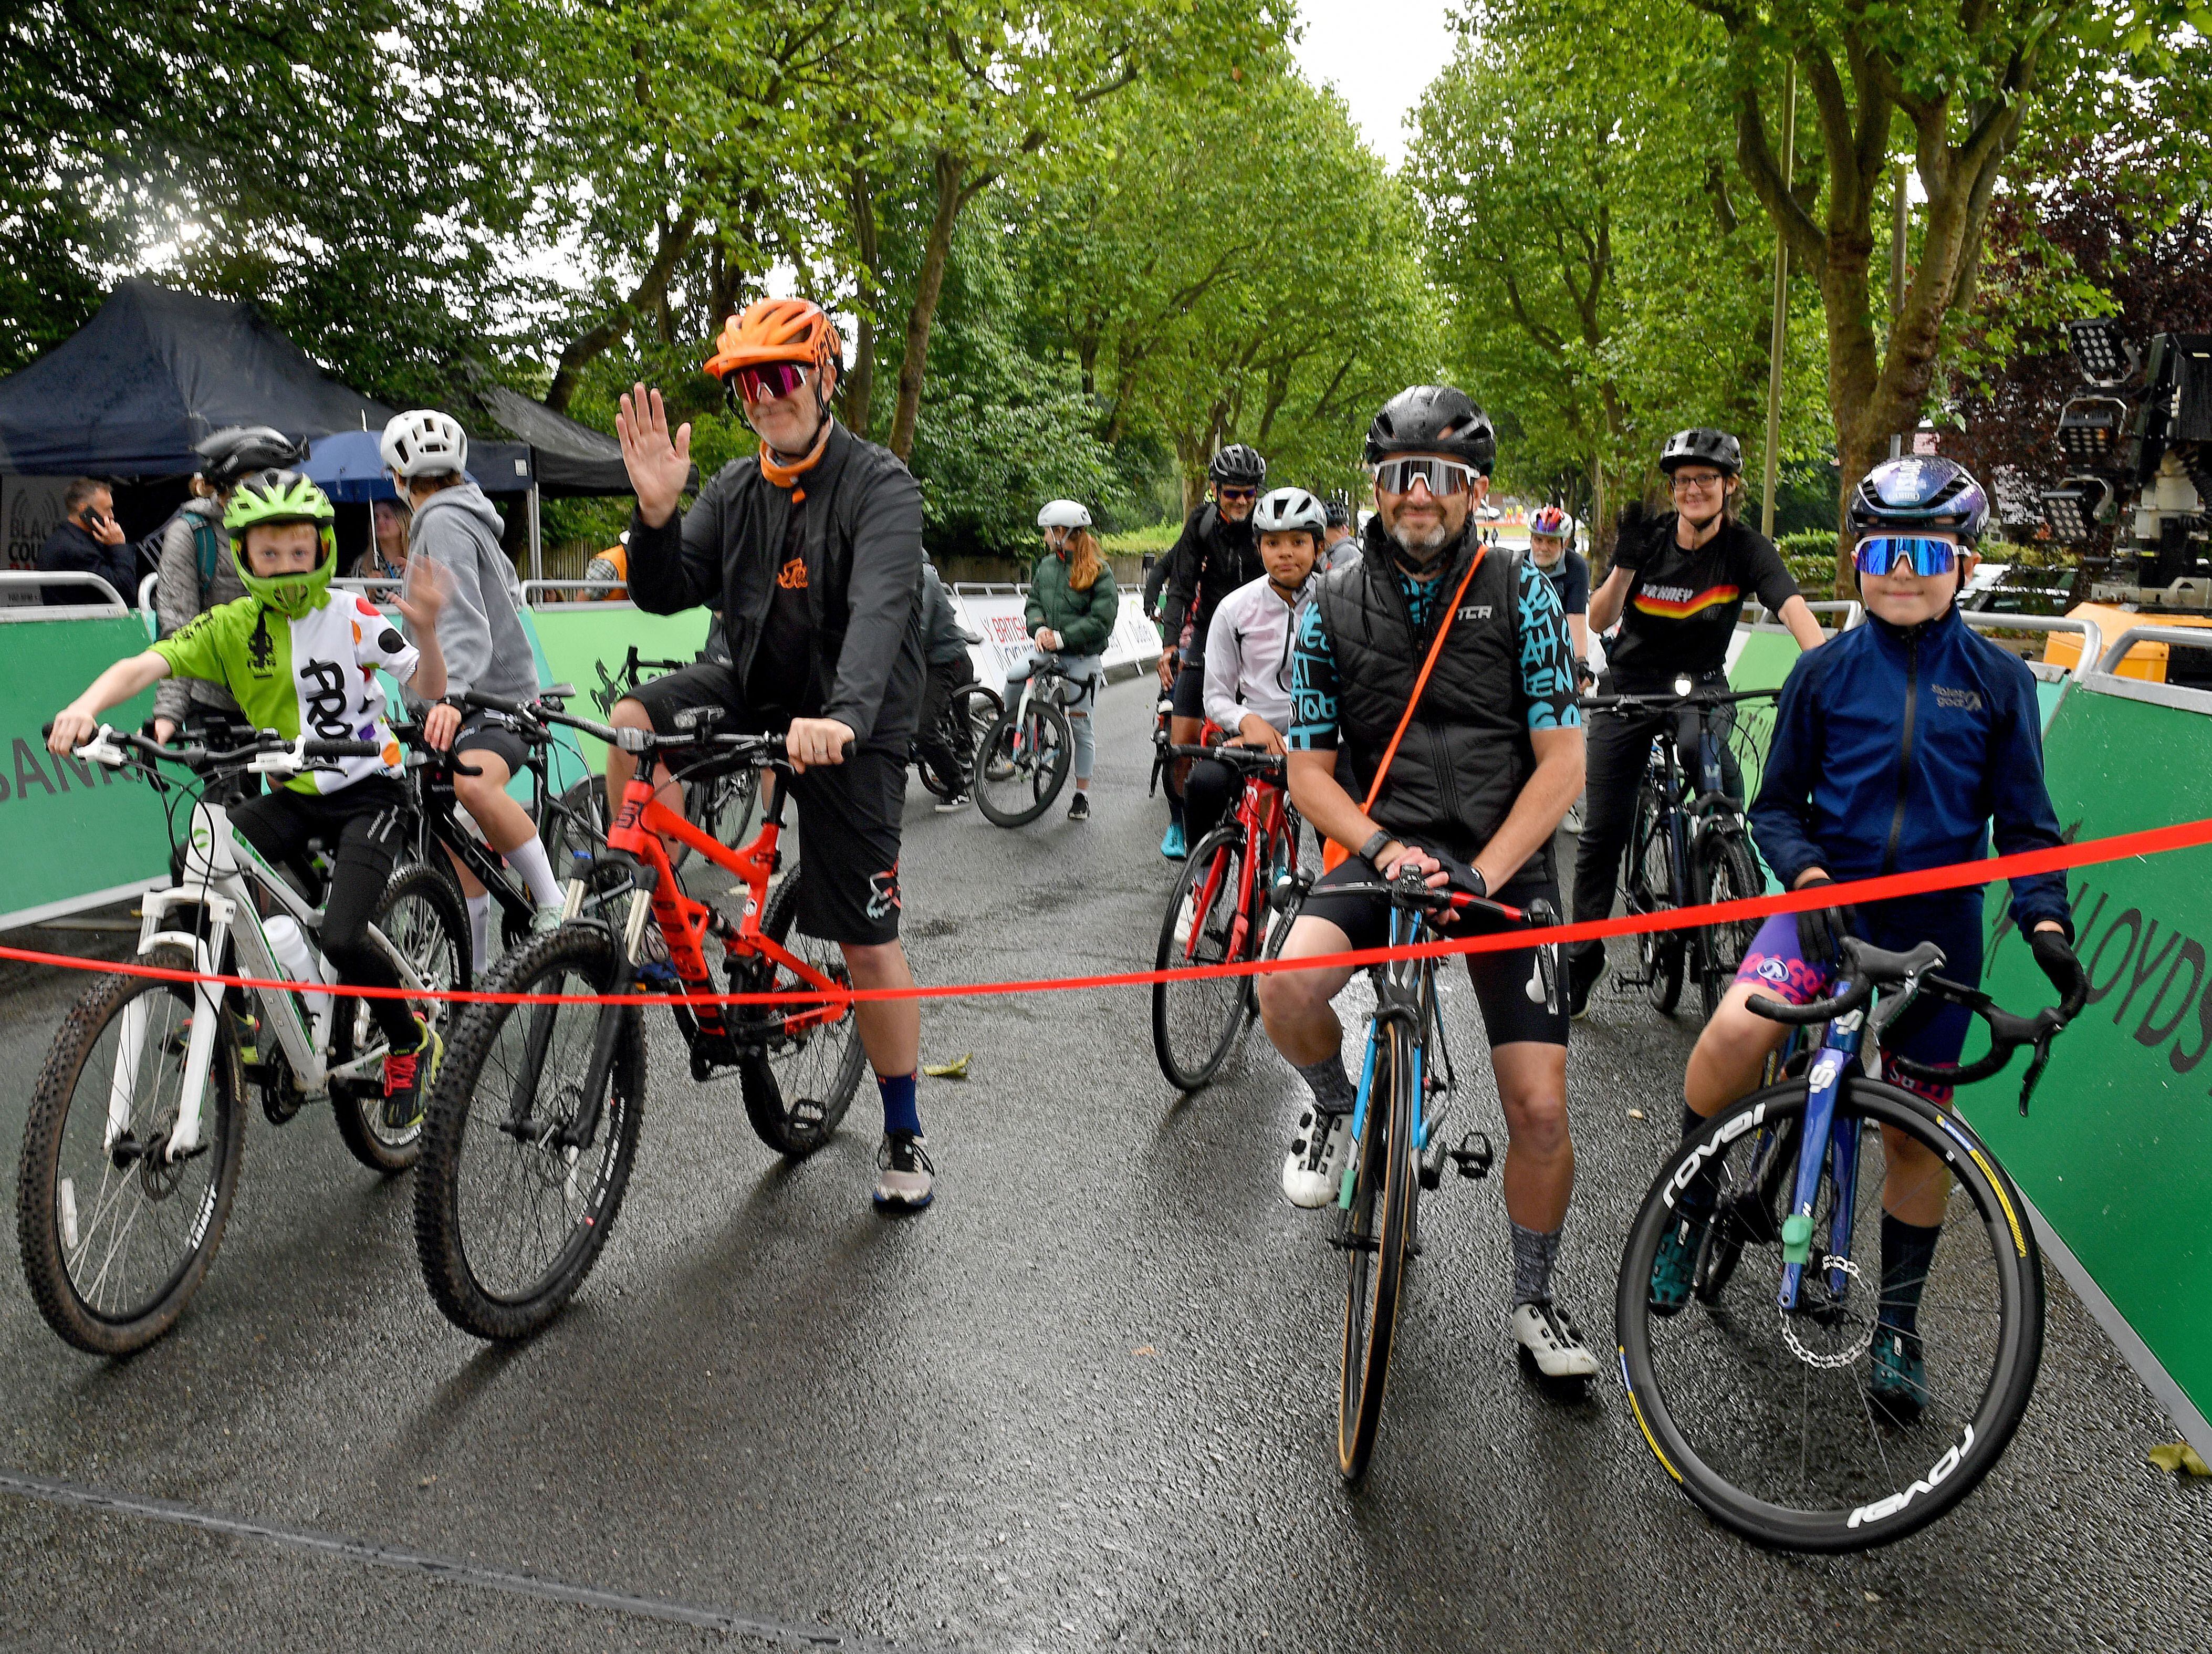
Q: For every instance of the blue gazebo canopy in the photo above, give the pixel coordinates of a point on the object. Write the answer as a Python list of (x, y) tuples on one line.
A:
[(348, 466)]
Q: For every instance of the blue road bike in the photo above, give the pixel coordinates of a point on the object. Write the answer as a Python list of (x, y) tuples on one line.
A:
[(1759, 1395)]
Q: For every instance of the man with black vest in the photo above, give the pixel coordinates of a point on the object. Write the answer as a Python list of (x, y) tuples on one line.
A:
[(1490, 759)]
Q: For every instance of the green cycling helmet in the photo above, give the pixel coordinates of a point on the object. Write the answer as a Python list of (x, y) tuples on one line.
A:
[(283, 496)]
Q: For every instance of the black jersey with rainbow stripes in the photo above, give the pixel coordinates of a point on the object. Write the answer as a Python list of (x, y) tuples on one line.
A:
[(1683, 605)]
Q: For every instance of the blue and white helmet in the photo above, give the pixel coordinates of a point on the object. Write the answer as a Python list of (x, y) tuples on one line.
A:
[(1287, 510), (1917, 493)]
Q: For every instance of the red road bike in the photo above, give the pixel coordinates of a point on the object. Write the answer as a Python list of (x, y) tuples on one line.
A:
[(1234, 900), (533, 1124)]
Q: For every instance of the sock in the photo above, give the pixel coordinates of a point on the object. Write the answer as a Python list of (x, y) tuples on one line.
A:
[(1534, 1254), (1334, 1091), (1174, 808), (1907, 1251), (1699, 1196), (479, 930), (900, 1112), (536, 872)]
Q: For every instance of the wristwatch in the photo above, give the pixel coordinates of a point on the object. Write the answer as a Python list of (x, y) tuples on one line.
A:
[(1375, 847)]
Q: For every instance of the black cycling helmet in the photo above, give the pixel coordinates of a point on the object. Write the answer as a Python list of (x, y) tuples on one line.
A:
[(1915, 492), (1238, 464), (1337, 513), (1715, 448), (239, 451), (1433, 419)]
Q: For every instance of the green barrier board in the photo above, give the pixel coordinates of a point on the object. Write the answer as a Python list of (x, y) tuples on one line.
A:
[(75, 835), (2115, 1157), (576, 640)]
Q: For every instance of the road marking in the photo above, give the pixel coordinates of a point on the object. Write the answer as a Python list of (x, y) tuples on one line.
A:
[(453, 1569)]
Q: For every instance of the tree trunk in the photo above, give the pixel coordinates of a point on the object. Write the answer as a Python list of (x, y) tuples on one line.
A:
[(860, 386), (673, 241), (953, 192)]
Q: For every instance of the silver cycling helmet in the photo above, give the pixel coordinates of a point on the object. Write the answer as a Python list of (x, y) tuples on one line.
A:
[(1287, 509), (424, 442), (1064, 513)]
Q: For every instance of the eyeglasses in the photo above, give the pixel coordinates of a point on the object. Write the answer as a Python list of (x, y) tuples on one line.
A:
[(772, 380), (1887, 554), (1228, 495), (1440, 476), (1685, 481)]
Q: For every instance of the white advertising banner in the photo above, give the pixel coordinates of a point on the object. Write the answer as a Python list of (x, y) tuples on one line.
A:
[(998, 612)]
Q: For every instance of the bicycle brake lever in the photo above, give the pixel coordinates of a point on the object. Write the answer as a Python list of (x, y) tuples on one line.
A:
[(2035, 1069)]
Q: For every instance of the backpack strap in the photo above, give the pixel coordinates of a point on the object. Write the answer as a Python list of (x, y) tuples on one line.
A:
[(209, 543)]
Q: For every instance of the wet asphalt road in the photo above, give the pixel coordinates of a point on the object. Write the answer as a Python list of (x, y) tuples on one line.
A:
[(1087, 1401)]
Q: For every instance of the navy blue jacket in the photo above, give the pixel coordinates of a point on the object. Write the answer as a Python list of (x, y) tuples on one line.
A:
[(1896, 750)]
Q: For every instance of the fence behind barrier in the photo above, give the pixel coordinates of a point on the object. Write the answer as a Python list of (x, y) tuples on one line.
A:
[(2117, 1159)]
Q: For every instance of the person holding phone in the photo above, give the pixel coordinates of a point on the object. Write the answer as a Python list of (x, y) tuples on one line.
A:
[(89, 541)]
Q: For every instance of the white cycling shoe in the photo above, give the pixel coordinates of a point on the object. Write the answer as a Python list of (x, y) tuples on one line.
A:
[(1313, 1171), (1550, 1343), (1186, 916)]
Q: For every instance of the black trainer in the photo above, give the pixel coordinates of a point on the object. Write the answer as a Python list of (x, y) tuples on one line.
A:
[(1583, 969), (1079, 808)]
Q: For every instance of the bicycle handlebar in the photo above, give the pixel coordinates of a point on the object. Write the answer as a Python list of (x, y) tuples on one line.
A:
[(1866, 968), (267, 753), (1412, 890), (1696, 697), (1236, 757)]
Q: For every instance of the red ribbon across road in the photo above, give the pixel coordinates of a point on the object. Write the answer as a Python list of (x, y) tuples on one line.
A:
[(2121, 847)]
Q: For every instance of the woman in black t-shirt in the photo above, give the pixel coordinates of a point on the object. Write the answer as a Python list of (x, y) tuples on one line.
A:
[(1677, 587)]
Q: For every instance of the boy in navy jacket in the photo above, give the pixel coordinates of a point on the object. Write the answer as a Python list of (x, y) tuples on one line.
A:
[(1906, 743)]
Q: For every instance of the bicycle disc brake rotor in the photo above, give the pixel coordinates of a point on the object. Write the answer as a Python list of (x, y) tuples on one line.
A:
[(1825, 1314)]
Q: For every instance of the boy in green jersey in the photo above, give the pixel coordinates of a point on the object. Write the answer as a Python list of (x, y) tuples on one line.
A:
[(302, 662)]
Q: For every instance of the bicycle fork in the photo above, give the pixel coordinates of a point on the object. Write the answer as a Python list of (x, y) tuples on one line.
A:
[(1832, 1139)]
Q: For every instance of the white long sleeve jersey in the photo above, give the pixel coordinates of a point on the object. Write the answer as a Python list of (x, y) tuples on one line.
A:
[(1247, 654)]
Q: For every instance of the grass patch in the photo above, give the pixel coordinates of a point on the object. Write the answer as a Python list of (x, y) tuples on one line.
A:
[(1136, 541)]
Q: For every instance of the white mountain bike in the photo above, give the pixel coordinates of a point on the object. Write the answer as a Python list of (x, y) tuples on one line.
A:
[(131, 1149)]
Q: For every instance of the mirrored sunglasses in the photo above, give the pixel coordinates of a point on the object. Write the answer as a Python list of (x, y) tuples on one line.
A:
[(1888, 554), (1236, 493), (769, 380), (1440, 476)]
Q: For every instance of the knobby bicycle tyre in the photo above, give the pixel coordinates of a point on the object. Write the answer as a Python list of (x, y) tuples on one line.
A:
[(1022, 763), (421, 915), (1792, 1452), (1651, 890), (797, 1087), (1377, 1231), (508, 1221), (1195, 1024), (1724, 871), (81, 1222)]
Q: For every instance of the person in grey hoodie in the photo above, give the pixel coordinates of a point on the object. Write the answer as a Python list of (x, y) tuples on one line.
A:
[(480, 633)]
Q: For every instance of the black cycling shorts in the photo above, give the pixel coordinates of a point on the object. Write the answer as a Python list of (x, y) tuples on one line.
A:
[(484, 731), (1507, 986), (1190, 691), (849, 814)]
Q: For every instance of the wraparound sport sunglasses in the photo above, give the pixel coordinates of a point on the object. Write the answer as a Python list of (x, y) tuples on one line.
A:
[(1887, 554), (771, 379), (1441, 476)]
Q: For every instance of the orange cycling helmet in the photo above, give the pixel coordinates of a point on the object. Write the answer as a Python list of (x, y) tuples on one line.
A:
[(777, 330)]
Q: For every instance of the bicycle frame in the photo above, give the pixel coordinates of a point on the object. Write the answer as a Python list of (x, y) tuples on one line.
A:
[(637, 831), (1828, 1138), (1263, 812), (1404, 991), (222, 871)]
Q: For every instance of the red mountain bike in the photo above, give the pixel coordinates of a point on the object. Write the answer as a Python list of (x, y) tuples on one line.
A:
[(1234, 900), (533, 1126)]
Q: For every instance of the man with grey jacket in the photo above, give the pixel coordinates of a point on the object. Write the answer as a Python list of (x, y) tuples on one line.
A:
[(480, 631)]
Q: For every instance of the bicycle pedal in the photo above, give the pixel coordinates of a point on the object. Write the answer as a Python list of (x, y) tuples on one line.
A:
[(1474, 1156)]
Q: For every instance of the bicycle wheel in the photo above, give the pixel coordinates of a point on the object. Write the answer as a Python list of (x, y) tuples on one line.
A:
[(1207, 922), (798, 1084), (508, 1218), (579, 827), (977, 706), (1749, 1214), (722, 807), (1651, 890), (115, 1237), (1023, 764), (1724, 871), (1765, 1420), (1374, 1233), (421, 915)]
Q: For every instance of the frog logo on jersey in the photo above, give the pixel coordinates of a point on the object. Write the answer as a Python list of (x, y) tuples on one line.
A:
[(327, 708), (261, 649)]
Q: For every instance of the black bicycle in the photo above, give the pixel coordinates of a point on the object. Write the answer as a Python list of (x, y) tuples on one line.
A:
[(1690, 845), (571, 824), (720, 806), (970, 712), (1024, 757)]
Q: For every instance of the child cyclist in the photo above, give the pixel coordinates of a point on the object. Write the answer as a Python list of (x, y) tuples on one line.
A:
[(1905, 744), (1250, 649), (300, 662)]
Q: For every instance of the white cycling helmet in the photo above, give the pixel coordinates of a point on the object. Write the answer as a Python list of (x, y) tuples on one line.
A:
[(1064, 513), (1287, 509), (423, 441)]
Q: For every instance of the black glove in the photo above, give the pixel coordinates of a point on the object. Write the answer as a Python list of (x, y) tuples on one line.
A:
[(1632, 535), (1461, 876), (1820, 930), (2055, 955)]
